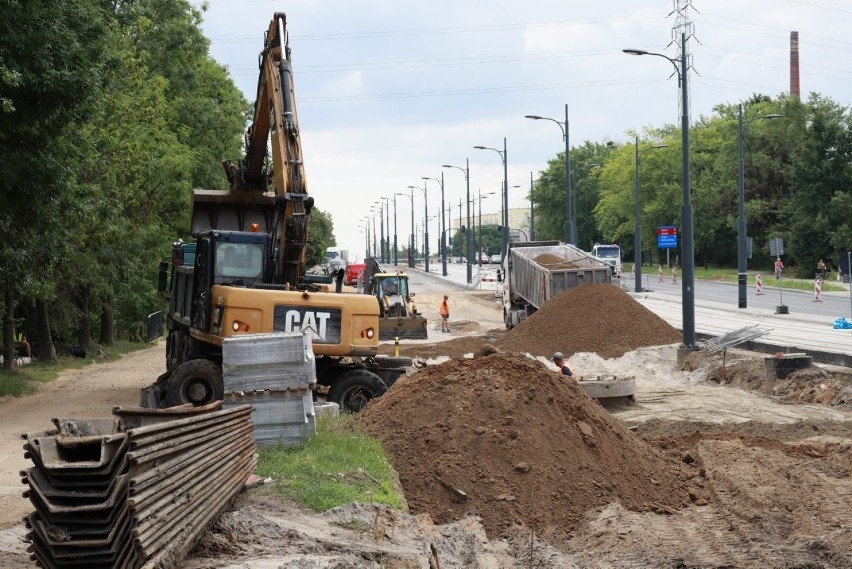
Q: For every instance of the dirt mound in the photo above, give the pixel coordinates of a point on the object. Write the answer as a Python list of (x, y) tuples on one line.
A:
[(553, 262), (505, 438), (589, 318)]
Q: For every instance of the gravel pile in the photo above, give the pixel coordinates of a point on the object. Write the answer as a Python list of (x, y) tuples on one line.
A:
[(589, 318)]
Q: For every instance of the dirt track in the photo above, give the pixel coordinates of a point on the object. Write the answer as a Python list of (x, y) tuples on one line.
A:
[(777, 477)]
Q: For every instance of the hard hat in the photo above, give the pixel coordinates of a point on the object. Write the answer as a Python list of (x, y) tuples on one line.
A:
[(558, 356)]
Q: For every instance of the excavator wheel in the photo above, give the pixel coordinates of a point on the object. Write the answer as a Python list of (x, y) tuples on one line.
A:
[(355, 389), (197, 381)]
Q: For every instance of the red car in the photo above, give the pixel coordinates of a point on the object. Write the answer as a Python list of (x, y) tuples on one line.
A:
[(353, 271)]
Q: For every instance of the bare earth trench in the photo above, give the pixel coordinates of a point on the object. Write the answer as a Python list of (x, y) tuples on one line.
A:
[(779, 490)]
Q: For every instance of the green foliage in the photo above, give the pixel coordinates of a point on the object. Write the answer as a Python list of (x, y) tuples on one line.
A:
[(320, 236), (337, 466), (136, 113)]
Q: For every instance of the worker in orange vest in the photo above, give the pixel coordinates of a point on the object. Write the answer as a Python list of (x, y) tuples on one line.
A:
[(564, 369), (444, 312)]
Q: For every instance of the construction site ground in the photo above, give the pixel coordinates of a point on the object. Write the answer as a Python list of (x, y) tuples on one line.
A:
[(504, 464)]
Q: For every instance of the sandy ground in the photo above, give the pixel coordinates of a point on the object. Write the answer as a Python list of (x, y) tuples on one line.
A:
[(777, 475)]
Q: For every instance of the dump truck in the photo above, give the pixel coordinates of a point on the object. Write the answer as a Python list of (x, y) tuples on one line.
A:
[(398, 316), (245, 273), (609, 254), (536, 271)]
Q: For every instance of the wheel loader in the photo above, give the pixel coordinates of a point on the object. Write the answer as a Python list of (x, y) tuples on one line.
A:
[(398, 316)]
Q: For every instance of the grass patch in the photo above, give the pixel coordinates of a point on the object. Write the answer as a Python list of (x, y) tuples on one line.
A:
[(26, 379), (730, 276), (338, 466)]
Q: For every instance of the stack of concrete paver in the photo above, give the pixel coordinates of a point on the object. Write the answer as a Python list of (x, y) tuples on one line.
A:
[(275, 373), (135, 490)]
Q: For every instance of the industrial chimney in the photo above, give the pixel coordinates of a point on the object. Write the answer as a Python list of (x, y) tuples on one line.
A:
[(794, 64)]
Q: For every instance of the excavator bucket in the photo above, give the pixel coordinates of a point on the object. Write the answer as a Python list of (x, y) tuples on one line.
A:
[(403, 327)]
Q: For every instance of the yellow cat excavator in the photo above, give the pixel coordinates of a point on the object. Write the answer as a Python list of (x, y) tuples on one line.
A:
[(245, 273)]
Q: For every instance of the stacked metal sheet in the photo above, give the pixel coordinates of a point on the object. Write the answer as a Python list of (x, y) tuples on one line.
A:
[(275, 373), (137, 491)]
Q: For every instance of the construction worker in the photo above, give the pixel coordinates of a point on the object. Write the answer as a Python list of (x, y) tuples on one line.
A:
[(444, 311), (564, 369), (22, 345), (778, 266)]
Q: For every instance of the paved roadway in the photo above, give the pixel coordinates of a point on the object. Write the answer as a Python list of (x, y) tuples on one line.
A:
[(807, 328)]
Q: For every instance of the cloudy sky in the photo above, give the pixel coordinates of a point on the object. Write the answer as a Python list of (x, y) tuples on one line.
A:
[(389, 90)]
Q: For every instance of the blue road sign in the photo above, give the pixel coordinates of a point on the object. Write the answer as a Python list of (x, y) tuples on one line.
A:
[(667, 241)]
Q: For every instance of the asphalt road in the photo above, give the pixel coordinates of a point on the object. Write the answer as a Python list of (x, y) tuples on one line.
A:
[(833, 304)]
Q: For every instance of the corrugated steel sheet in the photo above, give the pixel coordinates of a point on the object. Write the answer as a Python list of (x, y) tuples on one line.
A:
[(137, 491)]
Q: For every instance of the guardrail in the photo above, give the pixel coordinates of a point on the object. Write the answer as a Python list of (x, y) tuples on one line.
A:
[(155, 325)]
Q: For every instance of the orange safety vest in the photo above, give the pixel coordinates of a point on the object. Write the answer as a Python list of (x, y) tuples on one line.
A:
[(444, 310)]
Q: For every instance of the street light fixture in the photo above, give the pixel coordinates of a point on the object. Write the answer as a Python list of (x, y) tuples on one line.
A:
[(569, 214), (469, 233), (442, 245), (411, 240), (742, 271), (504, 233), (425, 221), (637, 225), (688, 243)]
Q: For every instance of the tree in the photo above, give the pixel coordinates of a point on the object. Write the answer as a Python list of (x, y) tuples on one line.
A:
[(51, 62), (320, 236), (817, 214)]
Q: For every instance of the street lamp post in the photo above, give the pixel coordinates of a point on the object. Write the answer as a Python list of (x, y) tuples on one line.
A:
[(637, 224), (479, 252), (384, 245), (742, 271), (425, 222), (366, 220), (504, 232), (570, 235), (381, 254), (688, 243), (373, 211), (532, 210), (442, 225), (395, 249), (468, 233), (411, 240)]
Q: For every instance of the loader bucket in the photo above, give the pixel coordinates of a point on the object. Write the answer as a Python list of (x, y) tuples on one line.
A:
[(407, 327)]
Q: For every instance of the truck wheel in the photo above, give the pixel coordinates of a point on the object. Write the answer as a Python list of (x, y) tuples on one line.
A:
[(197, 381), (355, 389)]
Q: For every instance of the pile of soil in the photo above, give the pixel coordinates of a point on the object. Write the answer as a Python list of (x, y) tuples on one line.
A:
[(505, 438), (589, 318), (553, 262)]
